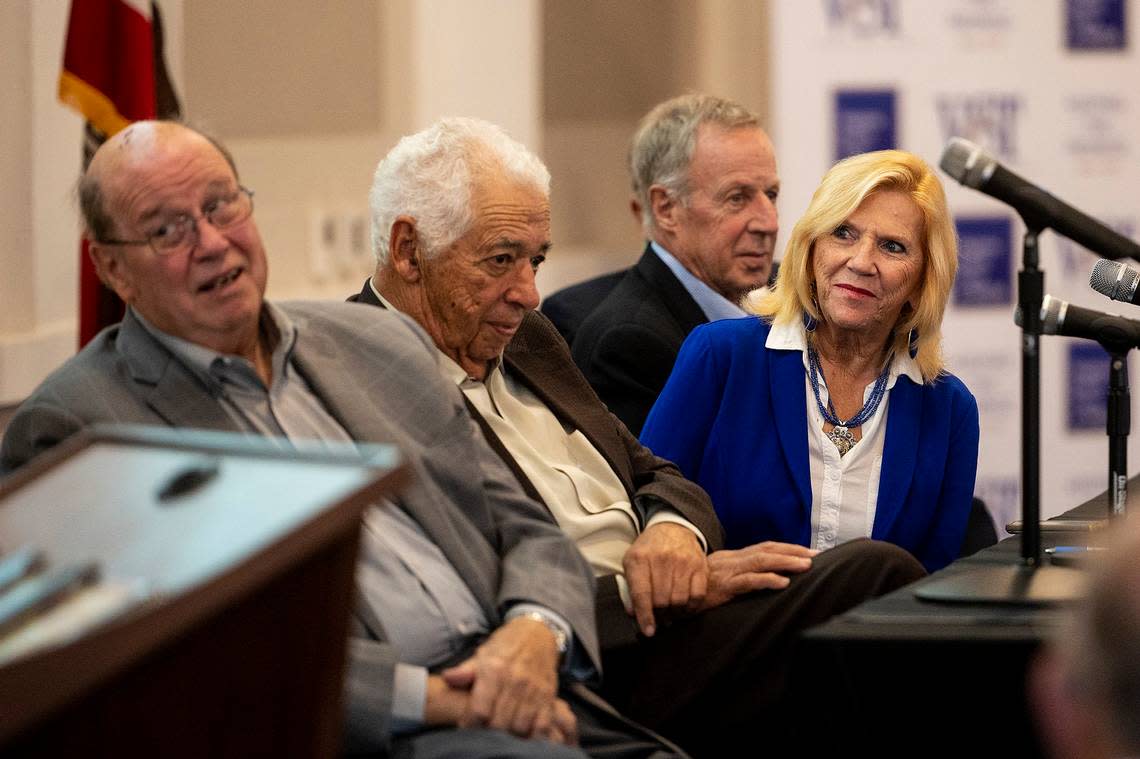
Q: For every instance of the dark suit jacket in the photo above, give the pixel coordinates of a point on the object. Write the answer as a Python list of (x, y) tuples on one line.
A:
[(628, 342), (376, 375), (570, 306), (627, 346), (540, 359)]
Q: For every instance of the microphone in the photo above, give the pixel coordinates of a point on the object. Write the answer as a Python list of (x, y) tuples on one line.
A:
[(1115, 333), (970, 165), (1116, 281)]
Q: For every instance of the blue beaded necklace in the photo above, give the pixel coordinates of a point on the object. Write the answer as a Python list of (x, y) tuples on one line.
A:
[(841, 430)]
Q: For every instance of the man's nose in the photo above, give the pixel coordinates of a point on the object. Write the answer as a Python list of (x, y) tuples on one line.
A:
[(764, 219), (523, 290), (210, 239)]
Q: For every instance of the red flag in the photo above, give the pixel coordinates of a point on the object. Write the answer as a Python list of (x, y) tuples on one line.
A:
[(113, 73)]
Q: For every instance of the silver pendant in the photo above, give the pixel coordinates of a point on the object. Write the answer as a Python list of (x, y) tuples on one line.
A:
[(842, 438)]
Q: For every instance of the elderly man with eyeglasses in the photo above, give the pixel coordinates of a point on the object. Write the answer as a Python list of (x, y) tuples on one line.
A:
[(475, 614)]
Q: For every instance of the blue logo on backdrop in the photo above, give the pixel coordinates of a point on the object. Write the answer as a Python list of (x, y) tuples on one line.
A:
[(1095, 25), (988, 119), (1088, 386), (863, 17), (864, 120), (985, 255)]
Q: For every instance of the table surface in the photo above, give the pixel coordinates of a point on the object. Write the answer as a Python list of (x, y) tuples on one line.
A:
[(950, 678), (903, 617)]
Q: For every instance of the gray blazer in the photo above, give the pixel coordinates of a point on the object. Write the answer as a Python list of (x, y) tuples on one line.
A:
[(375, 372)]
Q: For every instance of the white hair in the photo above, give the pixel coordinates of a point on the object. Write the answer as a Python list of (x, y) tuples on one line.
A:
[(430, 176)]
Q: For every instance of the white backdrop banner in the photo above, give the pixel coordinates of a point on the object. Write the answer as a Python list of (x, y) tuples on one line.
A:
[(1049, 88)]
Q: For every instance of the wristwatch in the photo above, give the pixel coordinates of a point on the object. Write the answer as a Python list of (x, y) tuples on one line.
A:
[(561, 642)]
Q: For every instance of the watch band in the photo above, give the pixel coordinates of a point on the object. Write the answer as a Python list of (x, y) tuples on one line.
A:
[(560, 640)]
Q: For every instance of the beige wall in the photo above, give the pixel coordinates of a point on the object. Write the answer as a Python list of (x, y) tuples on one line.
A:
[(309, 95), (18, 312), (267, 68), (40, 148), (605, 64)]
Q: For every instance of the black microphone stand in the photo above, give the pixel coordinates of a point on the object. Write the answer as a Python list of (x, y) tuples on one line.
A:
[(1029, 583), (1118, 424), (1030, 293)]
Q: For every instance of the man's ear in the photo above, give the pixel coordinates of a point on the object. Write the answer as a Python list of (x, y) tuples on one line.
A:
[(664, 206), (109, 266), (403, 243)]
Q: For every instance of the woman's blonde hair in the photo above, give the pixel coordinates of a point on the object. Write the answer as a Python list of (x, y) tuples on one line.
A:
[(843, 189)]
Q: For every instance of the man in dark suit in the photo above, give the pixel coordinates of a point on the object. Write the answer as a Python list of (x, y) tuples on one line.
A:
[(696, 641), (568, 308), (469, 595), (704, 175)]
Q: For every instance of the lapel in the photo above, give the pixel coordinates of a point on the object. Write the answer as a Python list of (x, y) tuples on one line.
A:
[(533, 358), (674, 296), (319, 360), (786, 383), (900, 452), (167, 387), (329, 366)]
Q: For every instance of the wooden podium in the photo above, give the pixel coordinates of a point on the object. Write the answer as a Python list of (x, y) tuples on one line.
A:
[(240, 556)]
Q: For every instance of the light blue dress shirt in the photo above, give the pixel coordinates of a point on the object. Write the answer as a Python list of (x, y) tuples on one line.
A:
[(715, 305)]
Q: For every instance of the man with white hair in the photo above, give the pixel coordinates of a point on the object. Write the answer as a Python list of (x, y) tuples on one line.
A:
[(704, 177), (696, 640)]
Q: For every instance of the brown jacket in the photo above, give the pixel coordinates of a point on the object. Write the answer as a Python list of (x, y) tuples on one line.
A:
[(539, 358)]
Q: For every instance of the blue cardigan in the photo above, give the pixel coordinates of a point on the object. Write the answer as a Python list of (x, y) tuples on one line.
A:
[(733, 418)]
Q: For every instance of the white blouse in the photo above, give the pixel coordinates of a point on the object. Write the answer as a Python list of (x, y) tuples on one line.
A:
[(844, 490)]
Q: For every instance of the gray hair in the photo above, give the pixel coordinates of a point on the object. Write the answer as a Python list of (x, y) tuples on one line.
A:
[(663, 145), (430, 176)]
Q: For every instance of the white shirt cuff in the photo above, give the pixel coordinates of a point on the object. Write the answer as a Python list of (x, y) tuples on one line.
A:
[(623, 593), (409, 697), (668, 514)]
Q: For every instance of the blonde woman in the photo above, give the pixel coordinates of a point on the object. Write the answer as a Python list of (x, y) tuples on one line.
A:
[(831, 416)]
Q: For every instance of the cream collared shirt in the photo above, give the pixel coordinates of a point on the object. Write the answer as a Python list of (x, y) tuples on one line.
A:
[(577, 484), (575, 481), (844, 490)]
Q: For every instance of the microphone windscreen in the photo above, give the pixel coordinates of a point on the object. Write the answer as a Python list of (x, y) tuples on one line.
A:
[(955, 156), (1114, 280)]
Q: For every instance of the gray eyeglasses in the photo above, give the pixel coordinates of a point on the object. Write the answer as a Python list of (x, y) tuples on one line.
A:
[(180, 232)]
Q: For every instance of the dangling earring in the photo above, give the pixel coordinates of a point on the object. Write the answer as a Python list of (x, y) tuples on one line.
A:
[(810, 322), (912, 342)]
